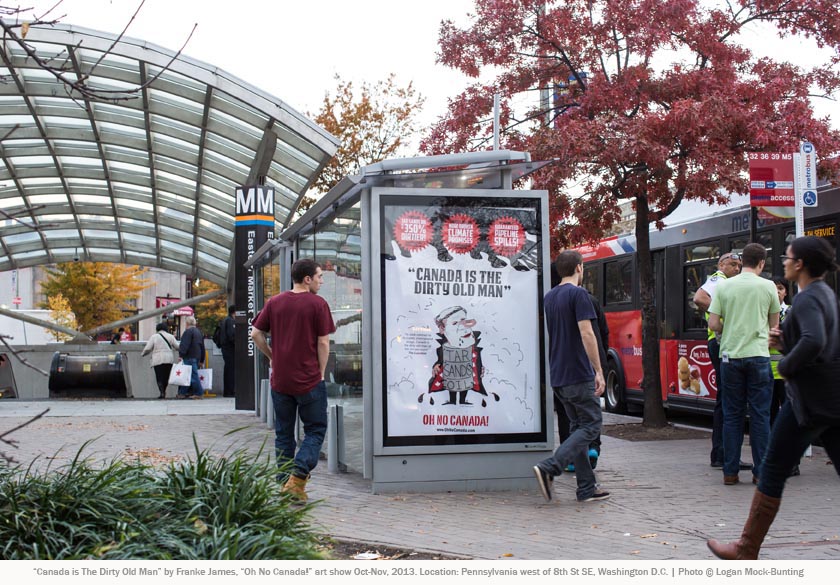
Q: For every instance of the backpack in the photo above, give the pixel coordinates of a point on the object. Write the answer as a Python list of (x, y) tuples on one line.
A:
[(217, 336)]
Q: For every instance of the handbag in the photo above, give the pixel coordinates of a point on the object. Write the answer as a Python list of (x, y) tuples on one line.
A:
[(205, 378), (180, 374), (815, 398)]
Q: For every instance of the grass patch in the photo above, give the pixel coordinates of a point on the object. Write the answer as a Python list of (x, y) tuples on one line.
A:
[(205, 507)]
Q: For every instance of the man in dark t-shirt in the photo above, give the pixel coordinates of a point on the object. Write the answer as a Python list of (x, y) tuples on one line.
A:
[(602, 335), (300, 323), (575, 370)]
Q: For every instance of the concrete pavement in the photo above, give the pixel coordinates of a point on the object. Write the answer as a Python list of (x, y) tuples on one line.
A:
[(666, 500)]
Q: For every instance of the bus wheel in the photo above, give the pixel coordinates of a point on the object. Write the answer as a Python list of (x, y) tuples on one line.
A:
[(614, 391)]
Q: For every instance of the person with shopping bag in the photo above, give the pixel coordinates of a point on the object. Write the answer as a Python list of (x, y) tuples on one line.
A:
[(192, 354), (810, 341), (164, 347)]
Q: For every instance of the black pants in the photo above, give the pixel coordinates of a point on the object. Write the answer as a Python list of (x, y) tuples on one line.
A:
[(788, 442), (229, 373), (777, 399), (162, 377), (717, 418)]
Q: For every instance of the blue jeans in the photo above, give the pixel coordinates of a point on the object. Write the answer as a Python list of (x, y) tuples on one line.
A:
[(745, 380), (584, 411), (312, 409), (788, 442), (194, 389)]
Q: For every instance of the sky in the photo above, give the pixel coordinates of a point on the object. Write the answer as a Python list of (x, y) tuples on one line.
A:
[(293, 49)]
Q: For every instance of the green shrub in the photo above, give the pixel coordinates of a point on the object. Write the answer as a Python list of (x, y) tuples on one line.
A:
[(206, 507)]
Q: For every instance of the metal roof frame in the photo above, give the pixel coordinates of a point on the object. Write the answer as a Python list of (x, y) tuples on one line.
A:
[(147, 180), (489, 168)]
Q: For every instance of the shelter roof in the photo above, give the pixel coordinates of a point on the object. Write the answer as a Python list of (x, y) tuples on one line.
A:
[(146, 179)]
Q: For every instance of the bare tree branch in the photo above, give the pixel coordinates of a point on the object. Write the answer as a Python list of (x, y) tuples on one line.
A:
[(12, 442), (66, 74), (18, 355)]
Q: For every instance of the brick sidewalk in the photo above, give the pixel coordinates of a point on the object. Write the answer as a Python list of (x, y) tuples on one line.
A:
[(666, 500)]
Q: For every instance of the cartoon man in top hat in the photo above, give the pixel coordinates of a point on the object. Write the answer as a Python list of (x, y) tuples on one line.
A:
[(458, 367)]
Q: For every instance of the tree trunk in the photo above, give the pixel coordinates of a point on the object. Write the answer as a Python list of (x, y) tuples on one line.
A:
[(654, 412)]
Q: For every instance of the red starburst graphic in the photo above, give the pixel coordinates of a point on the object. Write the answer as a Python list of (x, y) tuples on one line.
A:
[(460, 233), (413, 231), (506, 236)]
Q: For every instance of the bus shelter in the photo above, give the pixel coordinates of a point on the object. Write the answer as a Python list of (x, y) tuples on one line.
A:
[(436, 280)]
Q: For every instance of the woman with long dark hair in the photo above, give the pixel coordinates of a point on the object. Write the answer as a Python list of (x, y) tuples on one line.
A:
[(810, 336)]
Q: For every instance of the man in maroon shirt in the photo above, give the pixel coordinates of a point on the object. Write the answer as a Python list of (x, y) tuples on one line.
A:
[(300, 323)]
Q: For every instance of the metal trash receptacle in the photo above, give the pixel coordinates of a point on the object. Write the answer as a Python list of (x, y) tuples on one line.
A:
[(87, 375)]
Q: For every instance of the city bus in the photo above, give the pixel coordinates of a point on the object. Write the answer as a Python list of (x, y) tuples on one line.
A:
[(683, 256)]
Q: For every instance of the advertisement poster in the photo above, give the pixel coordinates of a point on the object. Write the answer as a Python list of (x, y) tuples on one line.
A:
[(461, 323), (695, 374)]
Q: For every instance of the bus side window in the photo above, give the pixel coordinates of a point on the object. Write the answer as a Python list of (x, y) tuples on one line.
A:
[(699, 262), (619, 282), (695, 276), (592, 280)]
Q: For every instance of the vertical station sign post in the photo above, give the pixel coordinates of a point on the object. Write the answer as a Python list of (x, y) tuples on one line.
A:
[(805, 165), (254, 226)]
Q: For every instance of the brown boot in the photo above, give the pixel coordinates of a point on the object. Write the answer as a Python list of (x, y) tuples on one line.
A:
[(296, 488), (762, 513)]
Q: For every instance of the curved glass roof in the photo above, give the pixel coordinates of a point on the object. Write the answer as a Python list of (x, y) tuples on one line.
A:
[(148, 179)]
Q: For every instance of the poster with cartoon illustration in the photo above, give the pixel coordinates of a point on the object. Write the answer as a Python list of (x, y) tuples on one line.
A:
[(461, 318)]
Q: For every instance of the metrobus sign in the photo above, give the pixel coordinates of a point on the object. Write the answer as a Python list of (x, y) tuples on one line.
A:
[(771, 179)]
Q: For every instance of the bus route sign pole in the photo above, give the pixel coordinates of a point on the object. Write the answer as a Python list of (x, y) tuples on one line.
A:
[(805, 189), (805, 183)]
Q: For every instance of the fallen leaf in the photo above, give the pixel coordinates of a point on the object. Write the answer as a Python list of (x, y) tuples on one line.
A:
[(507, 555), (654, 535)]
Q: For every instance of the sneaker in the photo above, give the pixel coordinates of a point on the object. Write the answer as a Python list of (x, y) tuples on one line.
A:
[(744, 466), (717, 464), (544, 481), (570, 468), (593, 458), (597, 497)]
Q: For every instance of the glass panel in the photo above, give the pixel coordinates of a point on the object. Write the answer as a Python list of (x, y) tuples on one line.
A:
[(21, 238), (704, 251), (766, 240), (619, 282), (29, 255), (695, 276), (592, 280), (55, 234)]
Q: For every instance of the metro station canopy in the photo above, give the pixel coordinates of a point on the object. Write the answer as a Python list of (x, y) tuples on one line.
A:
[(149, 180)]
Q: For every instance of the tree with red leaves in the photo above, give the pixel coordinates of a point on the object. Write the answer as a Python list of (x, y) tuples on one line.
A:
[(649, 101)]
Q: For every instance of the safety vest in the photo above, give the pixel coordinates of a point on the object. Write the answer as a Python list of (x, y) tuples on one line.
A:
[(775, 354), (711, 334)]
